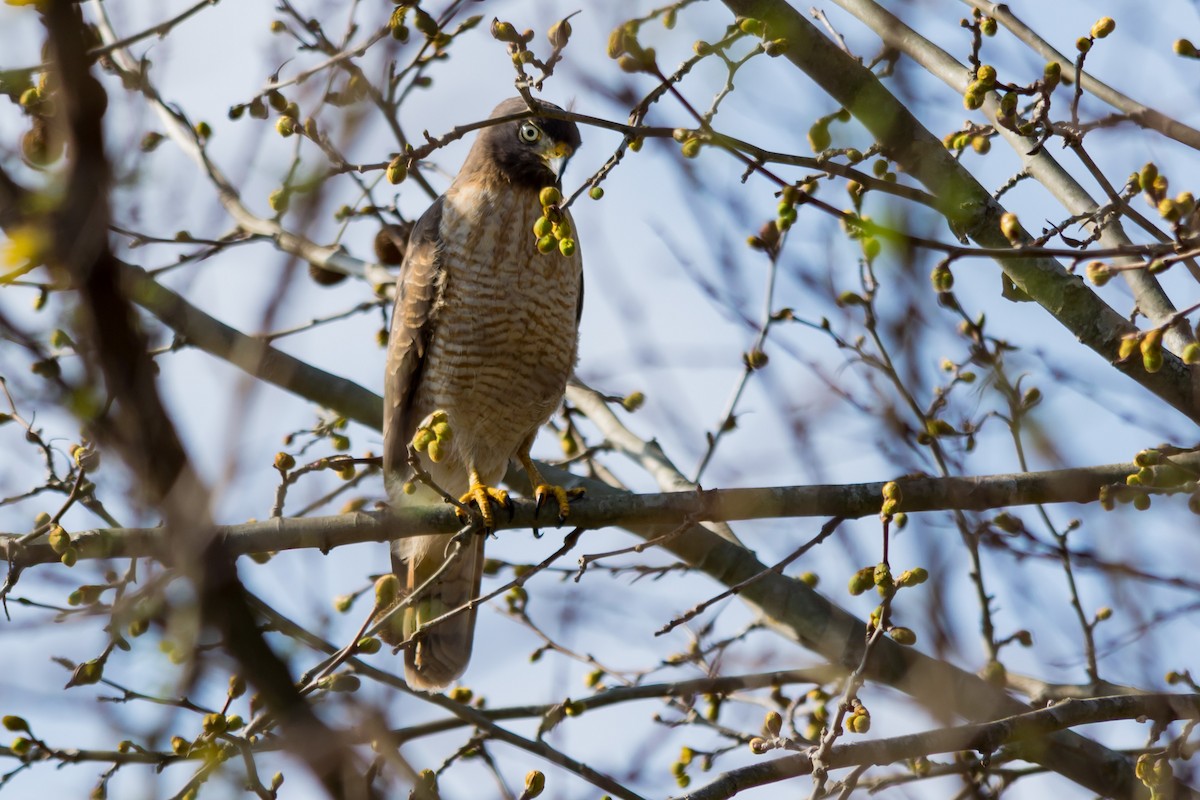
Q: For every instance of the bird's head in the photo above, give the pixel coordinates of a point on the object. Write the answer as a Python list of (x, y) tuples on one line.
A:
[(528, 152)]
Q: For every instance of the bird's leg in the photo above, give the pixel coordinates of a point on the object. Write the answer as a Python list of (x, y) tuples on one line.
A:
[(482, 496), (543, 490)]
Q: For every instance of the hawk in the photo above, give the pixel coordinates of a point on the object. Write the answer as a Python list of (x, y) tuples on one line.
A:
[(483, 338)]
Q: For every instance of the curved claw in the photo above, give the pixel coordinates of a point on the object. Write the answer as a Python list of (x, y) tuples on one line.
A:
[(483, 496), (562, 497)]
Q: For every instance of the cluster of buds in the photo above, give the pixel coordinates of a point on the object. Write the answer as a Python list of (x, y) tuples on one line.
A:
[(786, 210), (553, 228), (680, 766), (1155, 772), (859, 719), (690, 141), (1150, 346), (985, 81), (818, 717), (518, 42), (892, 497), (423, 21), (60, 542), (433, 436), (1103, 27), (631, 57), (42, 144), (756, 27), (771, 738), (1181, 211), (1156, 474), (974, 138)]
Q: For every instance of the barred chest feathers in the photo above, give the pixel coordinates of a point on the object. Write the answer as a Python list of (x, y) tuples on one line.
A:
[(505, 338)]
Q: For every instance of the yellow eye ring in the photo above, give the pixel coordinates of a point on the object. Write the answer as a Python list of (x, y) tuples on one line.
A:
[(529, 133)]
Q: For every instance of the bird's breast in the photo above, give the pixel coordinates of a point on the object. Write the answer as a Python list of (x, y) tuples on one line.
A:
[(504, 341)]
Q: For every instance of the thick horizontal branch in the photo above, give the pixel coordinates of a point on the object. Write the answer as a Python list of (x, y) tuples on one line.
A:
[(984, 738), (595, 511), (250, 354)]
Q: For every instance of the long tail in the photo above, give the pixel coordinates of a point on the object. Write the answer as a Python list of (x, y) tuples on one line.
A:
[(442, 651)]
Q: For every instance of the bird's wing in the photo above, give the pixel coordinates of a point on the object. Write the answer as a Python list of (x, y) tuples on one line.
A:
[(417, 291)]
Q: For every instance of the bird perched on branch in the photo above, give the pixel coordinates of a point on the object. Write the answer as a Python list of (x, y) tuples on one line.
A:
[(482, 342)]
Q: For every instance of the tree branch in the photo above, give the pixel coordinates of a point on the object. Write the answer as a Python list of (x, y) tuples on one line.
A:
[(965, 203), (621, 508), (984, 738)]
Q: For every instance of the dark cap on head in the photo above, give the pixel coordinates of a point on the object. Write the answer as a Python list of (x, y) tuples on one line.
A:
[(520, 149)]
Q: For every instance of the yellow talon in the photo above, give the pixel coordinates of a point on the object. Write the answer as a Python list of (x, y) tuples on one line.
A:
[(482, 496), (562, 496)]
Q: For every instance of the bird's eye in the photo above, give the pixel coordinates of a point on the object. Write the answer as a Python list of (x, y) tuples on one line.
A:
[(529, 132)]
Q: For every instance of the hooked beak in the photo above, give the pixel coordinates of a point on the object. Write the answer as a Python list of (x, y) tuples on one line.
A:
[(557, 157)]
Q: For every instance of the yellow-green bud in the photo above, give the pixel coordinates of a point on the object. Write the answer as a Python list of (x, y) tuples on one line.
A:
[(397, 170), (751, 26), (15, 724), (1103, 27), (1098, 272), (862, 580), (566, 247), (549, 196), (1146, 177), (58, 539), (882, 575), (1010, 226), (535, 784), (215, 724), (776, 47), (342, 682), (279, 200), (858, 723), (942, 278), (387, 587), (1051, 75), (818, 137)]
